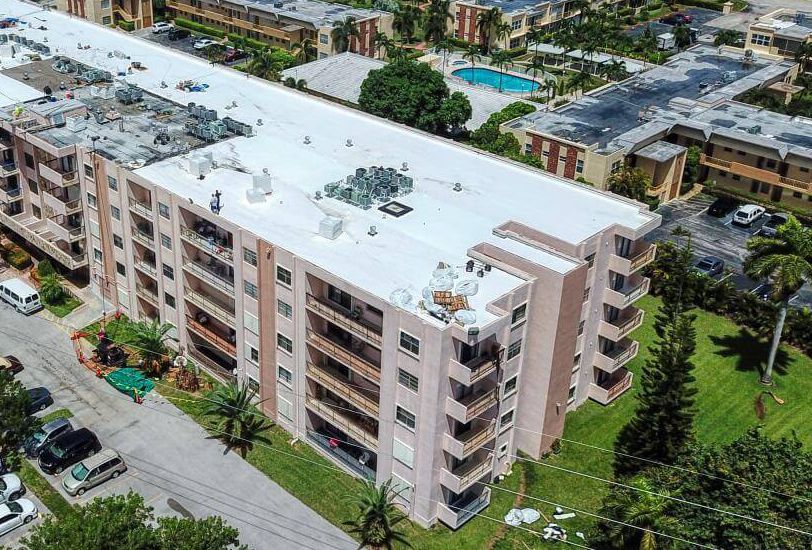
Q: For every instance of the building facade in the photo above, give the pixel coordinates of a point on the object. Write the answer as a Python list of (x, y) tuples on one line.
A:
[(781, 32), (110, 12)]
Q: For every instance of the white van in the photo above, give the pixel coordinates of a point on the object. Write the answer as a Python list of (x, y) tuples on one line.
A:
[(20, 295)]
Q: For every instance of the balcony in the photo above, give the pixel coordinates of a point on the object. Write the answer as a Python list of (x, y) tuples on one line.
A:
[(639, 257), (618, 329), (220, 342), (627, 295), (609, 390), (455, 515), (339, 316), (459, 479), (60, 206), (142, 208), (65, 231), (57, 176), (333, 381), (212, 367), (472, 405), (146, 266), (6, 143), (622, 354), (210, 246), (341, 354), (209, 274), (68, 259), (349, 461), (8, 168), (147, 293), (217, 309), (10, 194), (344, 421), (472, 371), (147, 239), (752, 172), (466, 443)]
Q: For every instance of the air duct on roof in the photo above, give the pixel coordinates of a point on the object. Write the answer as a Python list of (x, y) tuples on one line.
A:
[(331, 227)]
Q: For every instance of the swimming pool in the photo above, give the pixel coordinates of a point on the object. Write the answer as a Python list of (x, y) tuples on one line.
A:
[(488, 77)]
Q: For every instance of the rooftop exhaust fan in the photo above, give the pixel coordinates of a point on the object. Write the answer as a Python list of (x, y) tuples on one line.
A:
[(372, 231)]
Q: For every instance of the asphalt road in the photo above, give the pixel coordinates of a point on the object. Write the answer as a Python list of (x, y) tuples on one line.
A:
[(172, 463)]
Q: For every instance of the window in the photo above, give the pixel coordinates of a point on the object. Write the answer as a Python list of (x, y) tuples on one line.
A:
[(616, 166), (285, 409), (251, 289), (29, 160), (576, 362), (736, 177), (407, 380), (91, 200), (760, 40), (169, 272), (590, 260), (516, 25), (405, 418), (402, 453), (770, 163), (514, 349), (118, 242), (503, 451), (284, 309), (510, 386), (112, 183), (579, 166), (323, 38), (741, 153), (586, 294), (107, 20), (409, 343), (571, 394), (797, 195), (249, 256), (170, 300), (728, 149), (283, 275), (253, 384), (105, 4), (581, 327), (166, 241), (284, 375), (251, 322), (120, 269), (252, 353), (88, 170), (519, 314), (284, 343), (506, 419), (402, 488), (116, 212), (528, 148), (94, 228), (97, 254), (163, 210), (804, 169)]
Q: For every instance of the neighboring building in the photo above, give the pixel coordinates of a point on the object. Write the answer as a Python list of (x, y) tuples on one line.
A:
[(780, 32), (422, 321), (629, 123), (285, 23), (110, 12), (521, 15)]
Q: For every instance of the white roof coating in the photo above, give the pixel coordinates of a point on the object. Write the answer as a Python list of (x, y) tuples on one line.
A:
[(13, 91), (444, 224)]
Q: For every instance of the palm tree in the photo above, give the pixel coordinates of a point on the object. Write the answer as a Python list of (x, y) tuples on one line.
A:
[(444, 46), (804, 54), (503, 30), (404, 22), (682, 36), (578, 81), (786, 260), (342, 33), (614, 70), (263, 65), (536, 64), (240, 425), (51, 290), (630, 182), (501, 59), (381, 42), (643, 510), (304, 51), (726, 37), (485, 22), (377, 517), (435, 23), (473, 53), (149, 340)]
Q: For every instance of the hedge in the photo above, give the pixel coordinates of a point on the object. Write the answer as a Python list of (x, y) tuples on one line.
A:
[(197, 27), (249, 42), (517, 52), (707, 4), (128, 26), (17, 257)]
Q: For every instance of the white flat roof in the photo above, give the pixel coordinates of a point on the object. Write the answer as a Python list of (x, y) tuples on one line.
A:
[(444, 223), (13, 91)]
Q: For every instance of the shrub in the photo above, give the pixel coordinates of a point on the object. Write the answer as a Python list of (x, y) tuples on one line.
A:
[(707, 4), (128, 26), (290, 82), (17, 257), (197, 27), (45, 268), (517, 52)]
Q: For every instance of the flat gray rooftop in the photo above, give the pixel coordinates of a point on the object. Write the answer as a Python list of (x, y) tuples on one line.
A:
[(311, 11), (513, 6)]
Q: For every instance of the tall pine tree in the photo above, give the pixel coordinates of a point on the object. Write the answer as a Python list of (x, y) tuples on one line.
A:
[(662, 426)]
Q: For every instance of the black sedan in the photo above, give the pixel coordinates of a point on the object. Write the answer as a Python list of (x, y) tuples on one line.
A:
[(677, 19), (11, 364), (710, 266), (722, 207), (39, 399)]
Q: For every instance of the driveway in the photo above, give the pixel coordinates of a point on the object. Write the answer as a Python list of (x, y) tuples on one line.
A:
[(171, 462)]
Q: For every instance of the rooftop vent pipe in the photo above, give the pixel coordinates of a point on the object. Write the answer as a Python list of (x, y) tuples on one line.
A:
[(372, 231), (349, 143), (458, 187)]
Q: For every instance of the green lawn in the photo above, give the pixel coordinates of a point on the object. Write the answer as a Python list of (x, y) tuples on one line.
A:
[(118, 330), (37, 484), (63, 307), (727, 360), (58, 413)]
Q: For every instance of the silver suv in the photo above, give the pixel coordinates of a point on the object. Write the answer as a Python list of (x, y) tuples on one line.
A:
[(104, 465)]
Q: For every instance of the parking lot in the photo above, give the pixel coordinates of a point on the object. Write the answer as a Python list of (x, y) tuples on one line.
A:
[(12, 539), (715, 237), (701, 17), (185, 45)]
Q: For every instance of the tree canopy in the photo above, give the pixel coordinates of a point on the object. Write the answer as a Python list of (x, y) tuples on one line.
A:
[(15, 423)]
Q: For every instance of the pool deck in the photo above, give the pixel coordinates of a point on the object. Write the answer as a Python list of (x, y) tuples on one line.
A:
[(451, 67)]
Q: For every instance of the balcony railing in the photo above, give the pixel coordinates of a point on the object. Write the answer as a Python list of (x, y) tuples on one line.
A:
[(472, 405), (149, 294), (143, 208), (628, 295), (147, 267), (330, 379), (472, 371), (464, 444), (344, 421), (144, 238), (202, 242), (211, 366), (620, 328), (461, 478), (58, 176), (618, 357), (214, 308), (341, 456), (628, 266), (9, 195), (337, 315), (71, 261), (610, 390), (211, 336), (209, 275), (338, 352), (752, 172), (455, 515), (8, 169)]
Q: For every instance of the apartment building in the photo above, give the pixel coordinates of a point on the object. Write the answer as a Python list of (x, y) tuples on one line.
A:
[(110, 12), (396, 307), (286, 23), (630, 122), (780, 32), (522, 16)]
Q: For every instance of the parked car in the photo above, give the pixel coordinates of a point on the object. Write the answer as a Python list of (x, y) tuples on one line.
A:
[(177, 33), (11, 488), (93, 471), (68, 449), (45, 435), (770, 229), (763, 291), (161, 27), (722, 206), (21, 295), (14, 514), (747, 214), (232, 54), (677, 19), (39, 399), (11, 364), (710, 266), (203, 43)]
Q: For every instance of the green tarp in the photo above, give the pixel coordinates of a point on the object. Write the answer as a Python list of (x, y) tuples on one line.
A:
[(130, 381)]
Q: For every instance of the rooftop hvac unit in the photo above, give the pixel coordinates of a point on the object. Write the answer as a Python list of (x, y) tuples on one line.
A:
[(754, 129), (3, 38), (262, 186), (129, 95), (75, 123), (198, 165), (331, 227)]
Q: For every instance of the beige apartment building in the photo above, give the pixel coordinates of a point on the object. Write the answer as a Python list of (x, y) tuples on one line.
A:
[(395, 307), (110, 12), (780, 32), (286, 23)]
